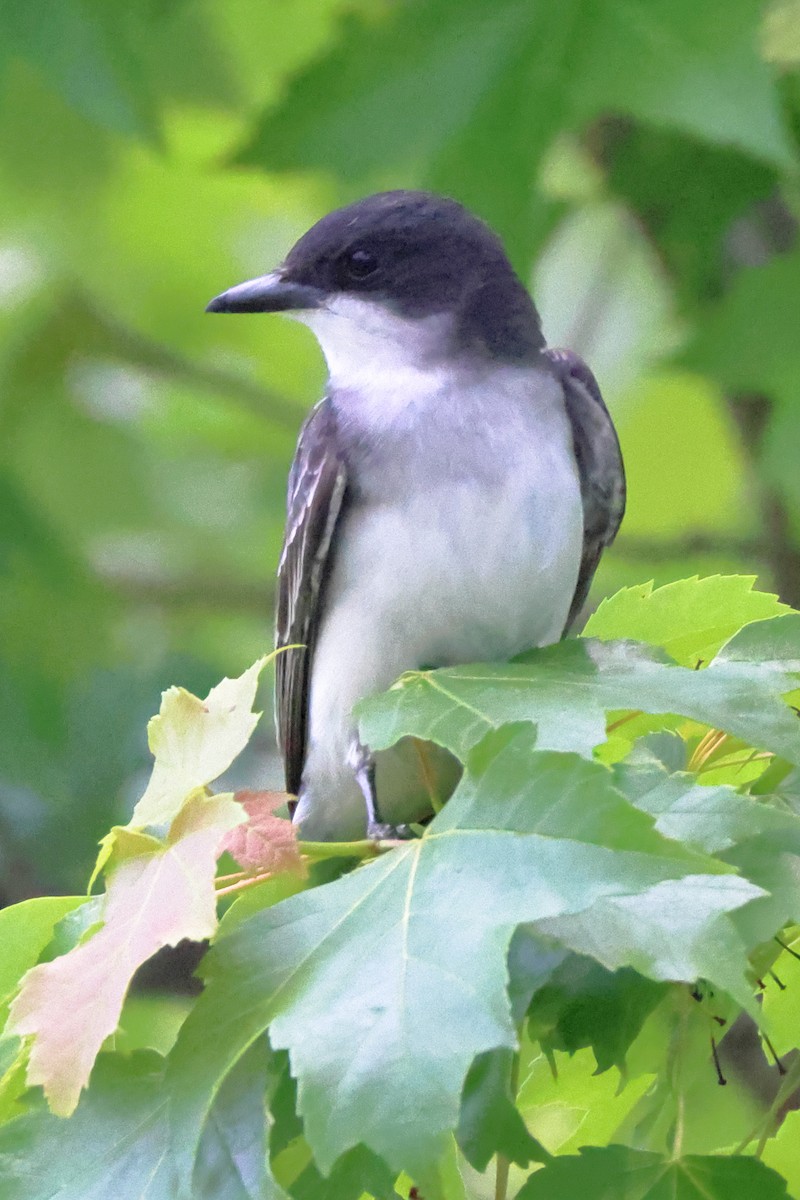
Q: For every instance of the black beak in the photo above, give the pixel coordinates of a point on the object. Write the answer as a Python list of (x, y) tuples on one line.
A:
[(268, 293)]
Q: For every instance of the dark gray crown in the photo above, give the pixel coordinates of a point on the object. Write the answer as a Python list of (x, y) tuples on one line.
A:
[(422, 254)]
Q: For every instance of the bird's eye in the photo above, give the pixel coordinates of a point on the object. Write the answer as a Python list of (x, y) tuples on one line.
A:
[(359, 264)]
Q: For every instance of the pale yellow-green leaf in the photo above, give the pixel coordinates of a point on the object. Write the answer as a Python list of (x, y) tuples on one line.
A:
[(121, 842), (194, 741)]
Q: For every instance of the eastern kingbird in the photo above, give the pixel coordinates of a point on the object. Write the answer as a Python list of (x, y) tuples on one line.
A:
[(449, 498)]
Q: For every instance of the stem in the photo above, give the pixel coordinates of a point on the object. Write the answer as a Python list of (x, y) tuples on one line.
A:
[(637, 712), (677, 1051), (754, 756), (243, 884), (501, 1177), (365, 848), (709, 743), (313, 850), (241, 880), (502, 1164)]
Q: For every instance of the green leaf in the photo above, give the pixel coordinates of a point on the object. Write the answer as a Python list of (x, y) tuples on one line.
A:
[(710, 818), (74, 928), (108, 87), (505, 770), (690, 619), (25, 931), (764, 862), (567, 1103), (231, 1160), (780, 1152), (373, 79), (729, 343), (531, 962), (730, 346), (115, 1144), (687, 194), (697, 69), (586, 1005), (356, 1172), (286, 1126), (532, 71), (690, 916), (781, 1004), (568, 688), (490, 1123), (780, 34), (346, 976), (616, 1171), (150, 1021), (768, 646)]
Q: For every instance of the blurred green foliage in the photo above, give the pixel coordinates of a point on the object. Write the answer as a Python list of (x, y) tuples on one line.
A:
[(639, 157)]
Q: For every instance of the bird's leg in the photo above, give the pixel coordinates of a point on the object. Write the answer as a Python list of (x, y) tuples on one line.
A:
[(363, 764)]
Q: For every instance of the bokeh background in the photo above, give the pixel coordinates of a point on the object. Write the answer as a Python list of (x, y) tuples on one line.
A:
[(639, 157)]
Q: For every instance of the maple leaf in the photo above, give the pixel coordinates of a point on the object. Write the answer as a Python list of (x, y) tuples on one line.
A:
[(690, 618), (346, 976), (265, 843), (194, 741), (157, 896)]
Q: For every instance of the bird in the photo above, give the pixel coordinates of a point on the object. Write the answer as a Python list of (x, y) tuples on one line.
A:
[(449, 499)]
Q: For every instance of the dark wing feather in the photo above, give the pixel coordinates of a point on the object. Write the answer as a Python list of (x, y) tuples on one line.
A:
[(600, 466), (317, 483)]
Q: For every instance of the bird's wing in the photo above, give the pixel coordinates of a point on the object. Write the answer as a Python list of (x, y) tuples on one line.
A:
[(317, 484), (600, 467)]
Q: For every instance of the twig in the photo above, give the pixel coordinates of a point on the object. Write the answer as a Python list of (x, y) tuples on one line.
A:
[(119, 339), (314, 851), (709, 743), (243, 884), (752, 413), (624, 720)]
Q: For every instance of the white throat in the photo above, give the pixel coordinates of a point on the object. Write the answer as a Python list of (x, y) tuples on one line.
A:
[(368, 348)]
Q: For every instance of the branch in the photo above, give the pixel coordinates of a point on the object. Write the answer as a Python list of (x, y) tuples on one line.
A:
[(694, 543), (751, 414), (161, 359), (79, 324), (194, 591)]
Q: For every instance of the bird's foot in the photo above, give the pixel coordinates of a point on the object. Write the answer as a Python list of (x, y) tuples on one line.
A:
[(363, 766), (381, 831)]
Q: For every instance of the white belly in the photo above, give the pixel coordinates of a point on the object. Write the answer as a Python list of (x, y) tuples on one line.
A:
[(470, 569)]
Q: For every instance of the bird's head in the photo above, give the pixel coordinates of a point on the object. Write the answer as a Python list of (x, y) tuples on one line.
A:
[(399, 274)]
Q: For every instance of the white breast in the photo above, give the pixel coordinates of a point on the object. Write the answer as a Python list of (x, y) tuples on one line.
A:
[(464, 546)]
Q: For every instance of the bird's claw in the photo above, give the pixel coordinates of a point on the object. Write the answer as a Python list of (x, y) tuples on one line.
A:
[(381, 831)]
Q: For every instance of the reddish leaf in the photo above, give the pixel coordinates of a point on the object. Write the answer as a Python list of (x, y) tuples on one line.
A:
[(156, 897), (265, 843)]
